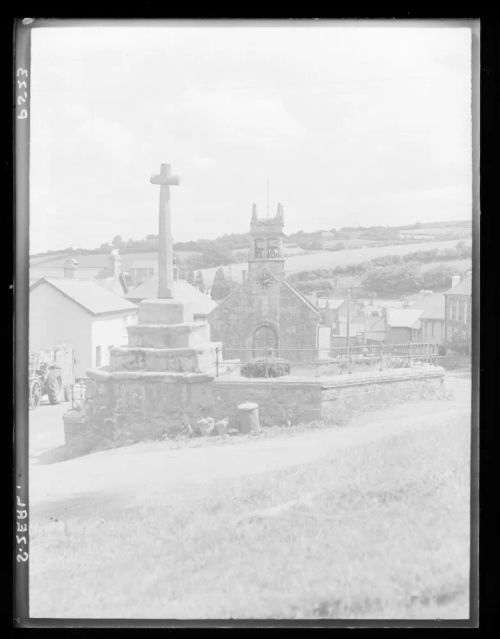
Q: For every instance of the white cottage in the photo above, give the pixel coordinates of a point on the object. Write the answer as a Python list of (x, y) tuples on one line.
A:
[(82, 313)]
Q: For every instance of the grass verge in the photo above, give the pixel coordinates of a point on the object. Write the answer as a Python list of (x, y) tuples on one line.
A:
[(377, 531)]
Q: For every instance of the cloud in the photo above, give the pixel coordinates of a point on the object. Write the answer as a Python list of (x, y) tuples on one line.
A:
[(243, 119)]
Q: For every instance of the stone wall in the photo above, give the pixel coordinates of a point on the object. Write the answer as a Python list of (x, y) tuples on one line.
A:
[(126, 407), (287, 401)]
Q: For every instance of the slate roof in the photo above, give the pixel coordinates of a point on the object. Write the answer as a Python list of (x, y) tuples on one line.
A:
[(201, 303), (403, 317), (89, 294), (375, 329), (433, 306), (334, 304), (300, 295)]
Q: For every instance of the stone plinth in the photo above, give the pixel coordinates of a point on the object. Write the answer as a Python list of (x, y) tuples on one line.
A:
[(174, 336), (157, 384), (197, 359), (165, 312)]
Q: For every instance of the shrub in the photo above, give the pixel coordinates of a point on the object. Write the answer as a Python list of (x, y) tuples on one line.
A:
[(266, 367)]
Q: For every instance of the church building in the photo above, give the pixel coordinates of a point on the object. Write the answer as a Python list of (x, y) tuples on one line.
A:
[(266, 313)]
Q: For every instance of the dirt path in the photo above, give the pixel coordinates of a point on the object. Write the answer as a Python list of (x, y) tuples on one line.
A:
[(145, 473)]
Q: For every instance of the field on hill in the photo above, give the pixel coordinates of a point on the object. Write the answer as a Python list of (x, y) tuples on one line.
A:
[(331, 259)]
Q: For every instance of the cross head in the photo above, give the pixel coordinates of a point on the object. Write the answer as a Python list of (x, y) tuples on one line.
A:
[(165, 178)]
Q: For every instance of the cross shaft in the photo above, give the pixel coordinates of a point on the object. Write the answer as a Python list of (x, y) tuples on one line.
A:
[(165, 179)]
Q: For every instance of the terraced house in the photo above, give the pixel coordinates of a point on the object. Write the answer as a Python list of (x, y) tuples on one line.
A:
[(458, 311)]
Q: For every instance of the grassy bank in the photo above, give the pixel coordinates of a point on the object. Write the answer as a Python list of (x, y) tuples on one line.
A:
[(378, 531)]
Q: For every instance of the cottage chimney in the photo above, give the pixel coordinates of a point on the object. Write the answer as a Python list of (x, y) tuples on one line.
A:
[(455, 280), (70, 268), (115, 262)]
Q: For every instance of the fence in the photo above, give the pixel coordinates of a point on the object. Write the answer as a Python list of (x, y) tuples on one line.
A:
[(335, 360), (78, 392)]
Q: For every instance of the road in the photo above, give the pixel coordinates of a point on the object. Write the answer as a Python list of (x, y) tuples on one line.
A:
[(142, 473)]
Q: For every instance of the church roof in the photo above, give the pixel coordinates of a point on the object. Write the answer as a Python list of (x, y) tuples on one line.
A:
[(201, 303), (89, 294), (300, 296)]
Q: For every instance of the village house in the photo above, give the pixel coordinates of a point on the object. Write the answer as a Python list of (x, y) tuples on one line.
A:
[(266, 313), (458, 311), (432, 318), (199, 303), (402, 325), (82, 313), (111, 277), (105, 268)]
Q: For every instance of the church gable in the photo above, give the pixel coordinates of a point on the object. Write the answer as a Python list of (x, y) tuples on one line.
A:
[(265, 312)]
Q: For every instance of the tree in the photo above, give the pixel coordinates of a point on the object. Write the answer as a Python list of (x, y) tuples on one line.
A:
[(438, 277), (117, 241), (221, 287), (394, 280), (199, 282)]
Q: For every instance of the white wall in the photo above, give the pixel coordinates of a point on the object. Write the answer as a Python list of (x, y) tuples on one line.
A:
[(55, 319), (324, 341), (110, 330)]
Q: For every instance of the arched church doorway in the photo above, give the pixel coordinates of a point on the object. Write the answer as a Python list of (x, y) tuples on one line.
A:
[(264, 341)]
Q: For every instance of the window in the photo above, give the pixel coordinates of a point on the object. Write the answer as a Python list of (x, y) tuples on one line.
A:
[(259, 247), (97, 356), (273, 247)]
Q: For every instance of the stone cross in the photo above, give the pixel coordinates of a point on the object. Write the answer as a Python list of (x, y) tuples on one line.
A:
[(165, 251)]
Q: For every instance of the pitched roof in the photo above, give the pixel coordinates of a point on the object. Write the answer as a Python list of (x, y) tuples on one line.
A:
[(432, 306), (403, 317), (201, 303), (375, 329), (89, 294), (333, 303), (464, 287), (300, 296)]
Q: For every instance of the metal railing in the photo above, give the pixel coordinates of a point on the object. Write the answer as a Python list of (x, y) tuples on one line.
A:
[(78, 393), (335, 360)]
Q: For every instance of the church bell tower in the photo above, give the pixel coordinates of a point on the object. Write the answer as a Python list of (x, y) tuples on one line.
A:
[(266, 243)]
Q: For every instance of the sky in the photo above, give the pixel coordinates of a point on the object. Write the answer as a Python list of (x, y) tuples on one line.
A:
[(349, 126)]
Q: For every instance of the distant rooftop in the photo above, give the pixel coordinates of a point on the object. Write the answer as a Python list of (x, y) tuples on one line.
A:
[(404, 317), (432, 305), (334, 304), (201, 303)]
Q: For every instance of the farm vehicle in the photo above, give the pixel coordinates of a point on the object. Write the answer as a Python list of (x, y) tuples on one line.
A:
[(51, 373)]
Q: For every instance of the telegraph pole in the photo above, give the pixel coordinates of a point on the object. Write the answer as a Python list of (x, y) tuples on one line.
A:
[(267, 197), (348, 340)]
